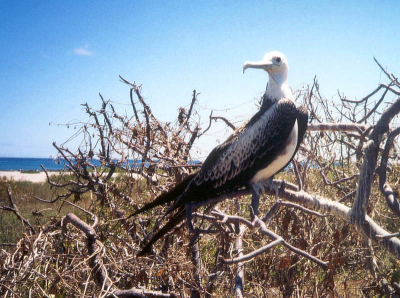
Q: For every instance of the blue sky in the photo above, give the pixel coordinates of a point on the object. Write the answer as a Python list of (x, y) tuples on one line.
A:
[(55, 55)]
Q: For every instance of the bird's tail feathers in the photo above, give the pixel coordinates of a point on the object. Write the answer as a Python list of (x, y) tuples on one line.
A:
[(166, 197), (172, 223)]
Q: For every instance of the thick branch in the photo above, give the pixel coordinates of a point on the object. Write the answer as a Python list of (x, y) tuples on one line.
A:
[(383, 183), (369, 163), (326, 206), (369, 227)]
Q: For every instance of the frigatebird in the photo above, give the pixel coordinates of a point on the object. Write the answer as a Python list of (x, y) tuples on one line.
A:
[(249, 157)]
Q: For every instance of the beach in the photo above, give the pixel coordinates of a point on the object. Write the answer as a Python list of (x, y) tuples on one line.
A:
[(38, 177)]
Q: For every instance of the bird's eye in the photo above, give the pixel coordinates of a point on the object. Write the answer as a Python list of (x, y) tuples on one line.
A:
[(278, 59)]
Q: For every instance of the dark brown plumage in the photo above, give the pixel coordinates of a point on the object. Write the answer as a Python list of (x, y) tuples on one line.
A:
[(262, 148), (231, 165)]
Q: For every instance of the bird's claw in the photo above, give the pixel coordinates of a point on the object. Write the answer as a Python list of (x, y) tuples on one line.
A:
[(260, 186), (273, 187)]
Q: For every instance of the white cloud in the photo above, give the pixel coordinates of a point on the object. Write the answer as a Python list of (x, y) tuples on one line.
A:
[(83, 51)]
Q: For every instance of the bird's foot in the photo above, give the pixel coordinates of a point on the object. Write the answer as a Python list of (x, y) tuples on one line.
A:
[(258, 187), (273, 187)]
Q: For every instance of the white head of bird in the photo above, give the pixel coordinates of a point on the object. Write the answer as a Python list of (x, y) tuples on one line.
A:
[(277, 67)]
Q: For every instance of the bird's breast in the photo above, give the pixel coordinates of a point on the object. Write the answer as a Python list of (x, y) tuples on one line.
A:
[(281, 159)]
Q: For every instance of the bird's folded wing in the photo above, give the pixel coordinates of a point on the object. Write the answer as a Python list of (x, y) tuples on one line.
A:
[(261, 141)]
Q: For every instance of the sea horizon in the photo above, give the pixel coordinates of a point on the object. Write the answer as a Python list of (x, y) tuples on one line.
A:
[(31, 164), (49, 163)]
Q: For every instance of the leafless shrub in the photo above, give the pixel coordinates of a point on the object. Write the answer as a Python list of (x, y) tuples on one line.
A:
[(331, 193)]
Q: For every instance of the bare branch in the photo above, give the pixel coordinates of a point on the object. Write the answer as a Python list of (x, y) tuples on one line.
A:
[(277, 240), (375, 107), (364, 98), (391, 77), (343, 127), (227, 122), (98, 270), (15, 210)]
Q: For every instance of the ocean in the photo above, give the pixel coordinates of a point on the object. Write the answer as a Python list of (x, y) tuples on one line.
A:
[(33, 164), (30, 164)]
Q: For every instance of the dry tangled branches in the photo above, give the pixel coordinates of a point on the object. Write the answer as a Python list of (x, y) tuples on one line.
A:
[(312, 233)]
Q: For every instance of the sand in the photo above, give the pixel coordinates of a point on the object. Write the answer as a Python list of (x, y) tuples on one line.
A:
[(30, 177), (40, 177)]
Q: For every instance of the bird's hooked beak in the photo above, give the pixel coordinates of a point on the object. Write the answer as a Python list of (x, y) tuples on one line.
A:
[(262, 64)]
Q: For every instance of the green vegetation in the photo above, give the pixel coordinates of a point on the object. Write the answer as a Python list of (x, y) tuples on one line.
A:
[(38, 213), (29, 172)]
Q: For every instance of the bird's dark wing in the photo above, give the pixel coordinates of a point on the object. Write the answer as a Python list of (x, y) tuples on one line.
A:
[(302, 121), (260, 143), (232, 164)]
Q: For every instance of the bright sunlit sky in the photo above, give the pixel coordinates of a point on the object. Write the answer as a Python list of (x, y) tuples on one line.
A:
[(55, 55)]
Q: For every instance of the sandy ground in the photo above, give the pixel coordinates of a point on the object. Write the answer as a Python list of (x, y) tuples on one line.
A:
[(31, 177), (41, 176)]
